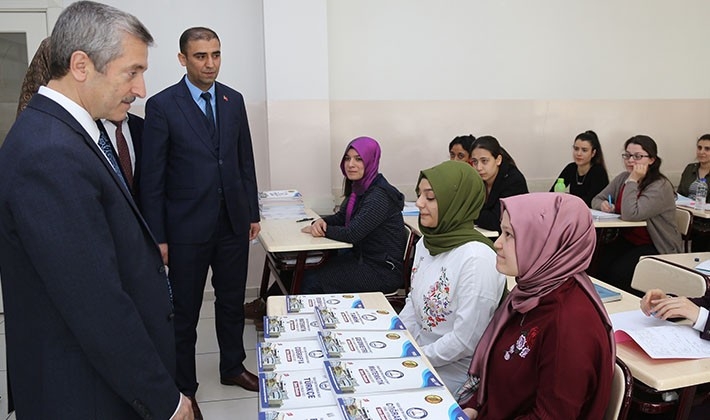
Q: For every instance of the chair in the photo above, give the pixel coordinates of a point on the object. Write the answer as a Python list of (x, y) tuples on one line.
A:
[(684, 221), (621, 387), (654, 273), (398, 298)]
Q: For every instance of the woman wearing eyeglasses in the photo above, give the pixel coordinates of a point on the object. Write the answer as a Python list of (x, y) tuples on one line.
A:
[(642, 192)]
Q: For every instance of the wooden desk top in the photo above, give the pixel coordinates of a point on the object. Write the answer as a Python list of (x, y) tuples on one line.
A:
[(284, 235), (703, 214), (689, 260), (413, 222), (661, 374), (616, 223)]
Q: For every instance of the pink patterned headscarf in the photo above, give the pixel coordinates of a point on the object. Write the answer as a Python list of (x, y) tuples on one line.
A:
[(554, 241), (369, 151)]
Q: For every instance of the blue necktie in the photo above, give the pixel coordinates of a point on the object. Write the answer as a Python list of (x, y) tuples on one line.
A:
[(105, 145), (208, 111)]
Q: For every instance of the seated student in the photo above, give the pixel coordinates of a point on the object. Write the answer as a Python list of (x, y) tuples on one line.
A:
[(656, 303), (502, 178), (586, 176), (455, 285), (694, 171), (460, 148), (370, 218), (641, 192), (548, 352)]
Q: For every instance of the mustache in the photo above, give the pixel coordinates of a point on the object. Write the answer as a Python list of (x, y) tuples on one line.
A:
[(128, 99)]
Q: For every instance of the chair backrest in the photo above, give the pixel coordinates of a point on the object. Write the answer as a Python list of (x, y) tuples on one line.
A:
[(412, 238), (684, 221), (654, 273), (621, 387)]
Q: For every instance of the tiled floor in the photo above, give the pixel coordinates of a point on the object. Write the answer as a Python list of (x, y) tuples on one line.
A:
[(216, 401)]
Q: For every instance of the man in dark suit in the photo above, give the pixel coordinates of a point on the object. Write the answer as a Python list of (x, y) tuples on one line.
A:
[(125, 135), (198, 193), (88, 315)]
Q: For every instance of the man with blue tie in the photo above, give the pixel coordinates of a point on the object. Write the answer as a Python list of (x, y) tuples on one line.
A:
[(198, 193), (88, 312)]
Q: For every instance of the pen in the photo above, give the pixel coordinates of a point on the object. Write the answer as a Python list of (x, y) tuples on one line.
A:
[(305, 219), (609, 198)]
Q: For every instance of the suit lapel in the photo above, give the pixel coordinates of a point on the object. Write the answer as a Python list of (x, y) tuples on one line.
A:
[(194, 115), (47, 105)]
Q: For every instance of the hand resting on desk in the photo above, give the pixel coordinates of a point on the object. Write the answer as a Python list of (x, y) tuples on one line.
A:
[(656, 303), (317, 228)]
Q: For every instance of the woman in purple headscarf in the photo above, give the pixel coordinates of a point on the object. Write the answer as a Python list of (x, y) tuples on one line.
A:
[(370, 218), (549, 349)]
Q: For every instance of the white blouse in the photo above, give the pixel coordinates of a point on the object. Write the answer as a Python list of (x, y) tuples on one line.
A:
[(452, 300)]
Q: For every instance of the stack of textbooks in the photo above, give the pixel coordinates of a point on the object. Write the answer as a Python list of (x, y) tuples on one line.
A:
[(330, 358), (281, 204)]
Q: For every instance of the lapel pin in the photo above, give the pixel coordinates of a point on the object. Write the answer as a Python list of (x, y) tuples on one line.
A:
[(225, 98)]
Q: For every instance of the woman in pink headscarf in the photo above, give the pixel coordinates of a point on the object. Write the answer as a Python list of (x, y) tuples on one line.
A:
[(549, 350), (370, 218)]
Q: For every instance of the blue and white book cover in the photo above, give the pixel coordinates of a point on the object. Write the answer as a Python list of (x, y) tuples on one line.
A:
[(291, 327), (359, 319), (380, 375), (429, 403), (298, 389), (289, 355), (311, 413), (367, 344), (306, 304)]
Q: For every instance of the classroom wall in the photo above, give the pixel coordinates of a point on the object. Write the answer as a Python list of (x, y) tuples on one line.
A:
[(534, 74)]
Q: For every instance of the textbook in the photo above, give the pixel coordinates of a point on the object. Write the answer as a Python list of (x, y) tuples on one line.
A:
[(311, 413), (299, 389), (607, 295), (359, 319), (307, 303), (289, 355), (429, 403), (366, 344), (291, 327), (380, 375)]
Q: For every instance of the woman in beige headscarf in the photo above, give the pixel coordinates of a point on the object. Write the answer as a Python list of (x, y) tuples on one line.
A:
[(37, 75)]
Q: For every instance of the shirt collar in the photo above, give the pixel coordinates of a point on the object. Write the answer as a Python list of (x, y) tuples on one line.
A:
[(77, 111), (195, 92)]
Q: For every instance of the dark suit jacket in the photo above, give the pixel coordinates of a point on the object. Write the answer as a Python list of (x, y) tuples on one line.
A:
[(184, 177), (704, 301), (509, 181), (87, 306)]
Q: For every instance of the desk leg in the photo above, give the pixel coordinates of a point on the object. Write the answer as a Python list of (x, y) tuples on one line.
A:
[(685, 402), (265, 277), (298, 272)]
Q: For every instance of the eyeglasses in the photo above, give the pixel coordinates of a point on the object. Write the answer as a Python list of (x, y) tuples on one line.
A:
[(635, 156)]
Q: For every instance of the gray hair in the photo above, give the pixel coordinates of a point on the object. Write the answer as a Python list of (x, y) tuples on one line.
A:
[(96, 29)]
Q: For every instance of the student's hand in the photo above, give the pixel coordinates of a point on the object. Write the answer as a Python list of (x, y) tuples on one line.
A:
[(317, 228), (675, 307), (164, 252), (606, 207), (471, 413), (254, 229), (651, 295), (639, 172)]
